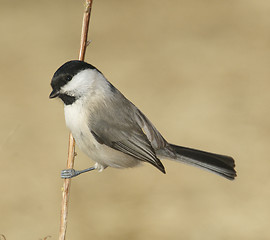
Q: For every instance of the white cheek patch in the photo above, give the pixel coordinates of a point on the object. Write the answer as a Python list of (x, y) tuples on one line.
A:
[(89, 82), (80, 83)]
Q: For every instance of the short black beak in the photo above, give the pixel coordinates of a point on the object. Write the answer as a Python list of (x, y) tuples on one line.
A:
[(54, 94)]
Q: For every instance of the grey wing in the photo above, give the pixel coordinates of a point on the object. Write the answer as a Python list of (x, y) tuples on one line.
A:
[(161, 146), (128, 138), (151, 132)]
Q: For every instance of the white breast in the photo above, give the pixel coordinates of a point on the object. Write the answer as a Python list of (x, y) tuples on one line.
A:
[(76, 116)]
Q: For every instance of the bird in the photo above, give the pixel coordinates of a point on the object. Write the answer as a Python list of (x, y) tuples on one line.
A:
[(113, 132)]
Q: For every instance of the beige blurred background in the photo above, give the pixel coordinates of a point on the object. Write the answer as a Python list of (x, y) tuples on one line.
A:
[(198, 69)]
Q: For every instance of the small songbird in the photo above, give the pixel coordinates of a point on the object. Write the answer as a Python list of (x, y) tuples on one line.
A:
[(113, 132)]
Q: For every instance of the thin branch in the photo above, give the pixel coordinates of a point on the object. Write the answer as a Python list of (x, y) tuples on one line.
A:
[(71, 145), (65, 190), (85, 27), (46, 237), (2, 236)]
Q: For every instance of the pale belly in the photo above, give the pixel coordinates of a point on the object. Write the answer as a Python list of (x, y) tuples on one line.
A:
[(100, 153)]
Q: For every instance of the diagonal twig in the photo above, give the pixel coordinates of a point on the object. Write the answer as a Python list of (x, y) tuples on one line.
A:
[(71, 145)]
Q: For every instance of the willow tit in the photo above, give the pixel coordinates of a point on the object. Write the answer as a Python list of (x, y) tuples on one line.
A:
[(113, 132)]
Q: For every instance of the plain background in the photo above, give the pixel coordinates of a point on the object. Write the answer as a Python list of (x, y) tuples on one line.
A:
[(198, 69)]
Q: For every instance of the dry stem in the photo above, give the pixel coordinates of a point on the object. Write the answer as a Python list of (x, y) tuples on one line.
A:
[(2, 236), (71, 146)]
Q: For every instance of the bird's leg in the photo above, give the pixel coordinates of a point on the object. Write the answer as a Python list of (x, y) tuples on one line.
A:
[(70, 173)]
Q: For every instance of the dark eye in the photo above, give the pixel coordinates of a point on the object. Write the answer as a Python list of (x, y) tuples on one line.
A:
[(68, 78)]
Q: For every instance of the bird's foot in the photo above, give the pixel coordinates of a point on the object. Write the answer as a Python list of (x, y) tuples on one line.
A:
[(70, 173)]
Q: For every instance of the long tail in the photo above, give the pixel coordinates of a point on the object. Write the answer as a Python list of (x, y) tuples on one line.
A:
[(219, 164)]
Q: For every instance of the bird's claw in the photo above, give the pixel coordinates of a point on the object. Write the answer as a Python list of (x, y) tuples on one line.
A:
[(69, 173)]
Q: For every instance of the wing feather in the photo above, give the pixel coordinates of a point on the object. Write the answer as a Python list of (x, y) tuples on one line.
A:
[(128, 139)]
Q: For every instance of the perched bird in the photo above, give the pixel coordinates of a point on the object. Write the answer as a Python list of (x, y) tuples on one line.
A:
[(113, 132)]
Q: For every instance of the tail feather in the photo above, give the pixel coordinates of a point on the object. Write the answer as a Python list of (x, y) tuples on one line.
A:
[(219, 164)]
